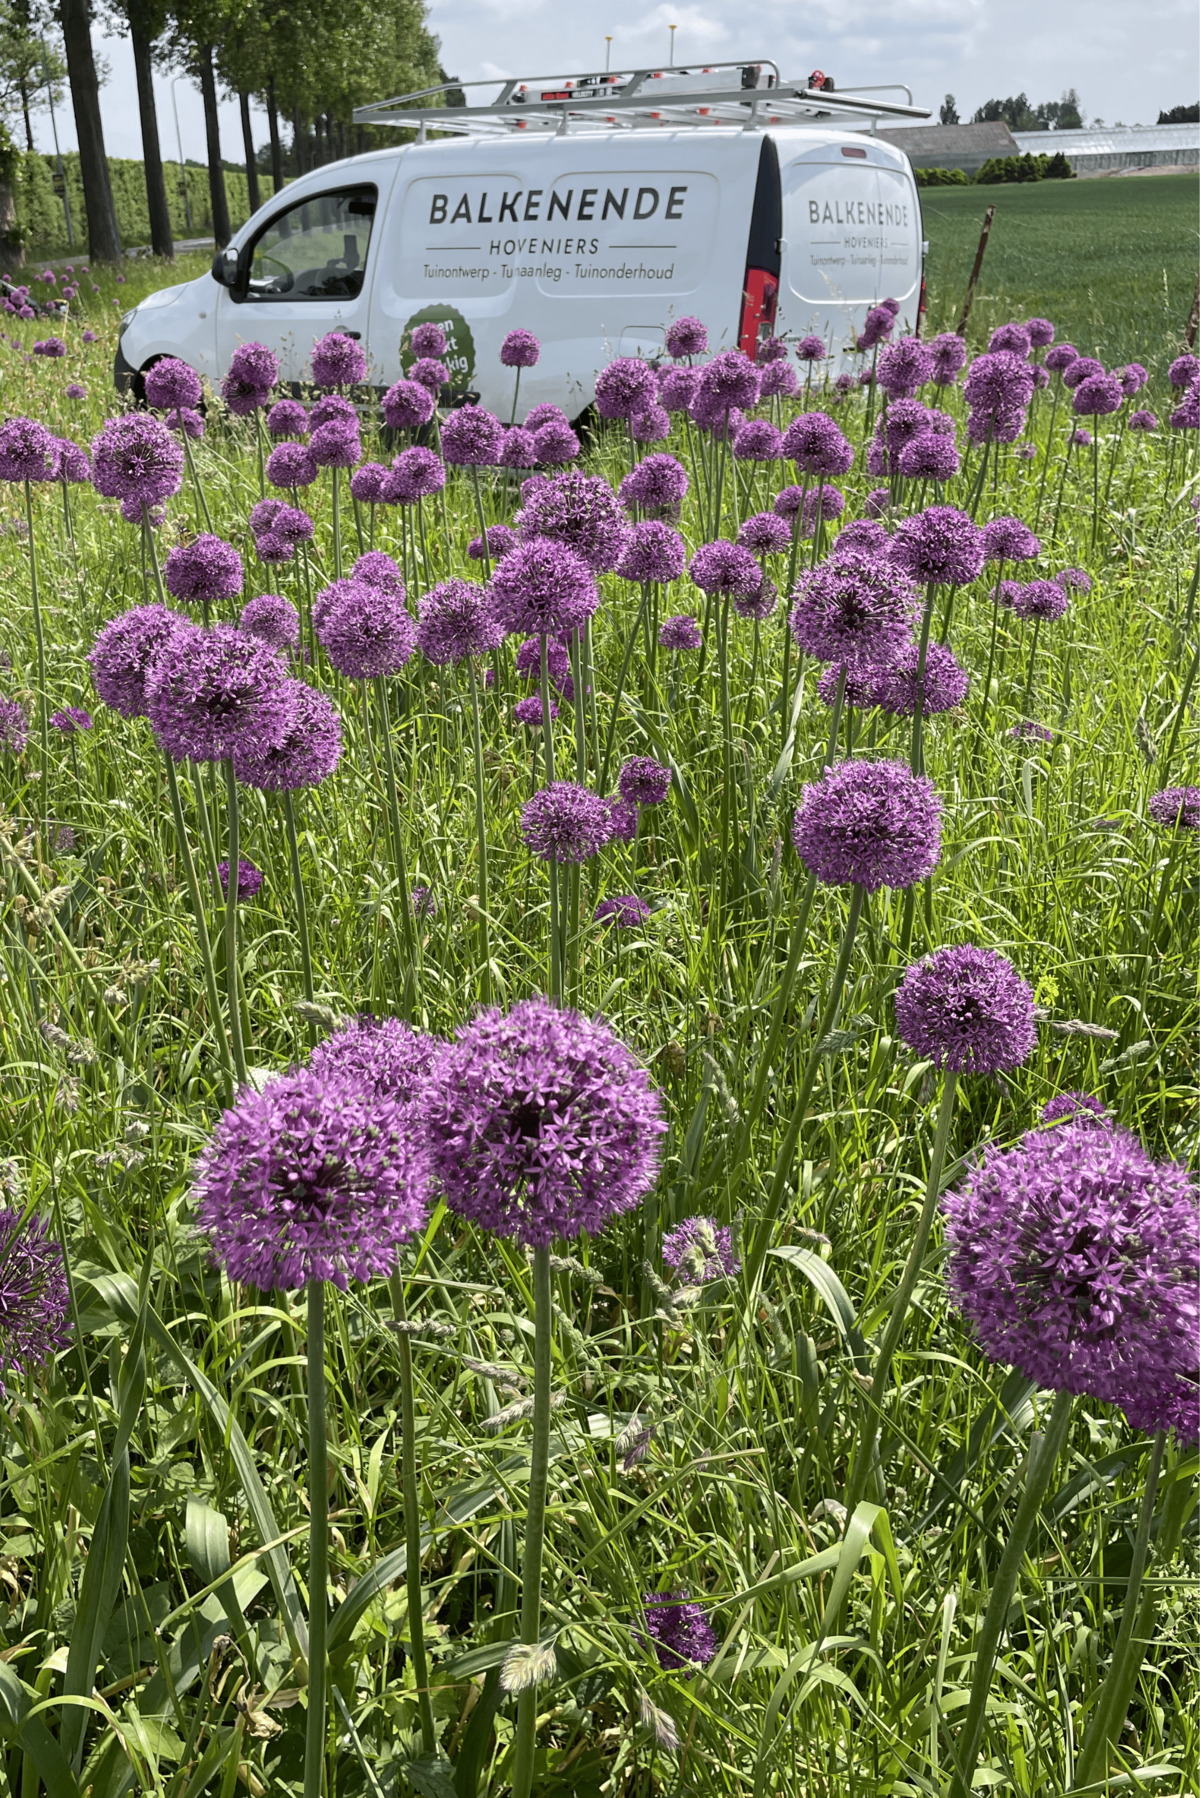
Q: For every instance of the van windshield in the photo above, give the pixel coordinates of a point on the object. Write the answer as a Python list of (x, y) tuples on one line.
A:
[(316, 250)]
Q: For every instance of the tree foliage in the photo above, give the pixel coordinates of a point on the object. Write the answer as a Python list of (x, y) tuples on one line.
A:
[(1018, 114), (29, 58)]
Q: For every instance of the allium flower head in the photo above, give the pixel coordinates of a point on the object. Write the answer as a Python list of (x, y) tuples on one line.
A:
[(877, 327), (126, 652), (1014, 337), (1030, 731), (263, 514), (253, 372), (1081, 369), (657, 486), (1142, 420), (652, 552), (700, 1249), (369, 483), (1077, 1259), (1187, 416), (1176, 807), (14, 726), (555, 443), (1133, 378), (543, 587), (928, 458), (501, 538), (34, 1296), (287, 418), (581, 512), (171, 384), (383, 1057), (760, 604), (565, 823), (725, 568), (967, 1010), (872, 824), (531, 712), (333, 408), (1096, 396), (307, 753), (366, 632), (626, 387), (334, 445), (998, 382), (949, 354), (73, 464), (471, 437), (1041, 332), (1076, 1107), (417, 473), (135, 457), (28, 451), (903, 367), (877, 502), (273, 619), (680, 1631), (455, 620), (407, 405), (1008, 540), (939, 545), (856, 609), (651, 426), (429, 340), (71, 718), (943, 685), (428, 372), (686, 337), (1075, 580), (825, 502), (214, 692), (810, 349), (518, 449), (540, 1123), (337, 361), (1183, 370), (862, 536), (314, 1178), (545, 414), (292, 525), (249, 880), (678, 389), (818, 446), (758, 441), (778, 378), (857, 690), (1041, 599), (729, 380), (644, 781), (764, 534), (1060, 358), (376, 569), (206, 569), (679, 633), (625, 910)]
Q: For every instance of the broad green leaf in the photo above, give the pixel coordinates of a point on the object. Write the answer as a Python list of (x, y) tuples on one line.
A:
[(97, 1600), (833, 1294), (31, 1735)]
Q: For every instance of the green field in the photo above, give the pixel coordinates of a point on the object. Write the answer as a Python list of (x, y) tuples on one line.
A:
[(1113, 263)]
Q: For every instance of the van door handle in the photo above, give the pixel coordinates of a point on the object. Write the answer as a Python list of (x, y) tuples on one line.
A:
[(355, 334)]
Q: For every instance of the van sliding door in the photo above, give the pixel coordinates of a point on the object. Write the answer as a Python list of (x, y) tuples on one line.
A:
[(760, 289)]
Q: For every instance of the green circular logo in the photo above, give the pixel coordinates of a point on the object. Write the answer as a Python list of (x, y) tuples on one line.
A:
[(460, 345)]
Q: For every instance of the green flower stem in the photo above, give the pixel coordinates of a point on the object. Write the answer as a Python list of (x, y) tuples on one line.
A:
[(835, 717), (1027, 701), (535, 1517), (729, 810), (231, 903), (485, 948), (187, 450), (547, 720), (1043, 1457), (987, 685), (318, 1546), (487, 558), (1066, 468), (917, 758), (630, 644), (306, 974), (206, 956), (43, 715), (818, 523), (393, 799), (770, 1047), (1046, 457), (864, 1458), (757, 1252), (337, 525), (412, 1521)]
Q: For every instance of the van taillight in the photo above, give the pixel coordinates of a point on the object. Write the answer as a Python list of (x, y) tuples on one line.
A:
[(758, 309), (760, 288)]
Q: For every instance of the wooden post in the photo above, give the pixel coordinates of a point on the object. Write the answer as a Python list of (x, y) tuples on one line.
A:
[(983, 237), (1189, 336)]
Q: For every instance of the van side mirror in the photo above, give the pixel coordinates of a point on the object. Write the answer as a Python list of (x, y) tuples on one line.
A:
[(226, 267)]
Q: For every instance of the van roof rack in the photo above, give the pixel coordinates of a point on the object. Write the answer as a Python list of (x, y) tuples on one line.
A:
[(741, 93)]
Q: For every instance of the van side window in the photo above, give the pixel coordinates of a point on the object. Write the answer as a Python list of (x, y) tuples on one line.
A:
[(316, 250)]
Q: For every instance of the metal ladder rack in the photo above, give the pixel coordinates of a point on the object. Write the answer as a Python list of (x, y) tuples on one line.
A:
[(703, 95)]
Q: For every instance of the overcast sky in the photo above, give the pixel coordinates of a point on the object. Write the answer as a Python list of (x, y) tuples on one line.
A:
[(1126, 60)]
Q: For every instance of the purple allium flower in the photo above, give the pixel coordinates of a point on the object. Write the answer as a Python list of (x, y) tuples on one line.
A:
[(730, 380), (726, 569), (622, 818), (253, 371), (877, 327), (1060, 358), (518, 449), (337, 361), (1183, 370), (73, 464), (1027, 452), (579, 511), (249, 879), (679, 633), (417, 473), (644, 781), (626, 911), (292, 525), (1081, 369), (213, 692), (903, 367), (825, 502), (766, 533), (652, 552), (500, 540), (565, 823), (76, 392), (89, 336), (778, 379), (1041, 599), (944, 684), (555, 443), (382, 1057), (810, 349), (520, 349), (369, 483), (367, 632), (651, 426), (540, 1123), (429, 340), (305, 755), (375, 568), (135, 511), (817, 446), (543, 587), (1187, 416), (1178, 807), (1029, 729), (871, 823), (203, 570), (1014, 337), (1041, 332), (686, 337), (1142, 420), (877, 502), (54, 347), (967, 1010), (1075, 1258), (998, 383), (314, 1178), (771, 349), (431, 374), (788, 503), (758, 605), (1097, 396), (287, 418), (1133, 378), (406, 405), (422, 901), (625, 388), (273, 619), (1081, 439), (271, 549), (938, 545), (1076, 1107), (471, 437), (657, 486), (34, 1297), (71, 718), (862, 536), (928, 458), (136, 458), (701, 1249), (28, 451), (858, 688), (186, 423), (545, 414), (333, 408), (855, 609), (14, 726), (531, 712), (949, 354), (758, 441), (1008, 540), (680, 1632), (126, 652), (171, 385), (678, 389), (454, 621), (334, 445)]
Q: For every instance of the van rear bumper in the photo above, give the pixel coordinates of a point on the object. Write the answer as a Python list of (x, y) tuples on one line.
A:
[(124, 373)]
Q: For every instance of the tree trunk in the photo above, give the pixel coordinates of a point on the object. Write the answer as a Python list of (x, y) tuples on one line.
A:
[(104, 239), (276, 147), (212, 133), (161, 241), (248, 145), (297, 152), (25, 116)]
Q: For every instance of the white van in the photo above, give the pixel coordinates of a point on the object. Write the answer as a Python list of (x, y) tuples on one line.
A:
[(591, 213)]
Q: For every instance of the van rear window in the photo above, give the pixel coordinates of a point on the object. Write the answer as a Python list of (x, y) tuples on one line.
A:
[(853, 231)]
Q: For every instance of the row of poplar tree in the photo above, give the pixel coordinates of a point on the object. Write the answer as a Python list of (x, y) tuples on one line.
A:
[(309, 63)]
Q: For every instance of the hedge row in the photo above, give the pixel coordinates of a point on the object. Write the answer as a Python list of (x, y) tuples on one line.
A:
[(41, 223)]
